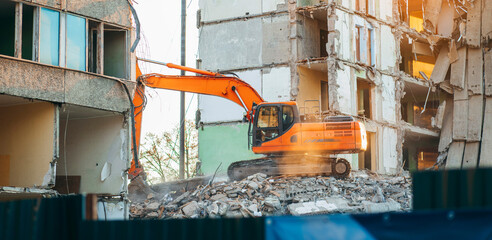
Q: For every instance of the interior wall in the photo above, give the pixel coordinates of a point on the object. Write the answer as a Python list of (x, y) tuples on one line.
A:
[(115, 53), (309, 86), (94, 146), (27, 140)]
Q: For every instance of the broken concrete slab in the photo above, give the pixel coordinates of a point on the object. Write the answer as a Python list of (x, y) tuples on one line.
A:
[(470, 158), (431, 15), (460, 119), (446, 137), (190, 209), (488, 72), (473, 24), (486, 149), (458, 69), (475, 71), (319, 207), (390, 206), (455, 155), (475, 116), (441, 67)]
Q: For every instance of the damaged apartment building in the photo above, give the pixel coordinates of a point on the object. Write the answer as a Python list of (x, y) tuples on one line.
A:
[(399, 66), (64, 126)]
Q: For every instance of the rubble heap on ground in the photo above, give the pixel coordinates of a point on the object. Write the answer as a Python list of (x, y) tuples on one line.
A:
[(258, 195)]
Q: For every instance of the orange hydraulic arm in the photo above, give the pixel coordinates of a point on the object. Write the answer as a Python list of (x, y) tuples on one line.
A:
[(209, 83)]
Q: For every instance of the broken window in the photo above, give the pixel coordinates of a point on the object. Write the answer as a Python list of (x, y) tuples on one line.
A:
[(76, 42), (115, 51), (364, 98), (7, 18), (49, 37)]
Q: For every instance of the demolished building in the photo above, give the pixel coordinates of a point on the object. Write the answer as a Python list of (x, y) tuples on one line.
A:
[(65, 112), (398, 66)]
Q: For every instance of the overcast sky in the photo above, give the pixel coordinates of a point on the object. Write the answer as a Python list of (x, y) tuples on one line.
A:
[(161, 25)]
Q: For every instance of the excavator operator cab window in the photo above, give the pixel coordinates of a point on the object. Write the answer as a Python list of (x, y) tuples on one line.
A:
[(287, 117), (267, 126)]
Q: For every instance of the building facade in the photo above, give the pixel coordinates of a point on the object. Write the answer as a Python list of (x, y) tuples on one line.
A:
[(65, 112), (370, 59)]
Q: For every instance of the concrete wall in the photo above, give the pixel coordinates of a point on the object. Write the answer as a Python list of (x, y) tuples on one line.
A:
[(309, 85), (224, 144), (244, 44), (388, 99), (272, 84), (28, 139), (112, 11), (213, 10), (55, 84), (93, 144)]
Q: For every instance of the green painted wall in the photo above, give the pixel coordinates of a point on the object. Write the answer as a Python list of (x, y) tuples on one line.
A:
[(225, 143)]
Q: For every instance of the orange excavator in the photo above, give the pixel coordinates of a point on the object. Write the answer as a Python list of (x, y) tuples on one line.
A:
[(291, 146)]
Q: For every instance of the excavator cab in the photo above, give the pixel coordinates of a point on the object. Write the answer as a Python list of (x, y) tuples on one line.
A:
[(271, 120)]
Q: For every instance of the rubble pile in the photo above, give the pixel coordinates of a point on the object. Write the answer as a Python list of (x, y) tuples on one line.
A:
[(258, 195)]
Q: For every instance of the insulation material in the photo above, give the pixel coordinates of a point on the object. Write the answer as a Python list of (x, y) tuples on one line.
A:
[(473, 24), (458, 69), (276, 85), (455, 155), (475, 71), (388, 99), (475, 111), (446, 136), (344, 92), (431, 9), (388, 49), (216, 109), (486, 149), (389, 154), (441, 67), (488, 72), (213, 10), (470, 157)]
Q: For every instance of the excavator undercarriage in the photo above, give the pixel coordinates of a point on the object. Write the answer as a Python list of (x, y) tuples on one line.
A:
[(290, 165)]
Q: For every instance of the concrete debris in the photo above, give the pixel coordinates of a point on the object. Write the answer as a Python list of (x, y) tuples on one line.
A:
[(257, 195)]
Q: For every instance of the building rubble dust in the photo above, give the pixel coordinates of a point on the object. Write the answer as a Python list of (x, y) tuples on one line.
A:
[(362, 192)]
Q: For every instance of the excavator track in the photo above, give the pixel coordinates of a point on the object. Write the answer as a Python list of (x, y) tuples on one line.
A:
[(294, 165)]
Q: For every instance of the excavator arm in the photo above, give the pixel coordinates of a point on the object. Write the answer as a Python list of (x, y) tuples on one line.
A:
[(208, 83)]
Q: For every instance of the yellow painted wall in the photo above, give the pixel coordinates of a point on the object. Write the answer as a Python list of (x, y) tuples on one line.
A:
[(309, 86), (26, 136)]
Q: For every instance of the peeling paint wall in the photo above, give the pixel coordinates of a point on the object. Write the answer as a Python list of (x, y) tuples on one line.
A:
[(96, 149), (27, 139)]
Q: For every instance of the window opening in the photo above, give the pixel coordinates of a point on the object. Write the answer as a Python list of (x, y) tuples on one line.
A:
[(7, 18), (49, 37), (27, 32), (114, 52), (267, 123), (287, 117), (363, 98), (76, 42)]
